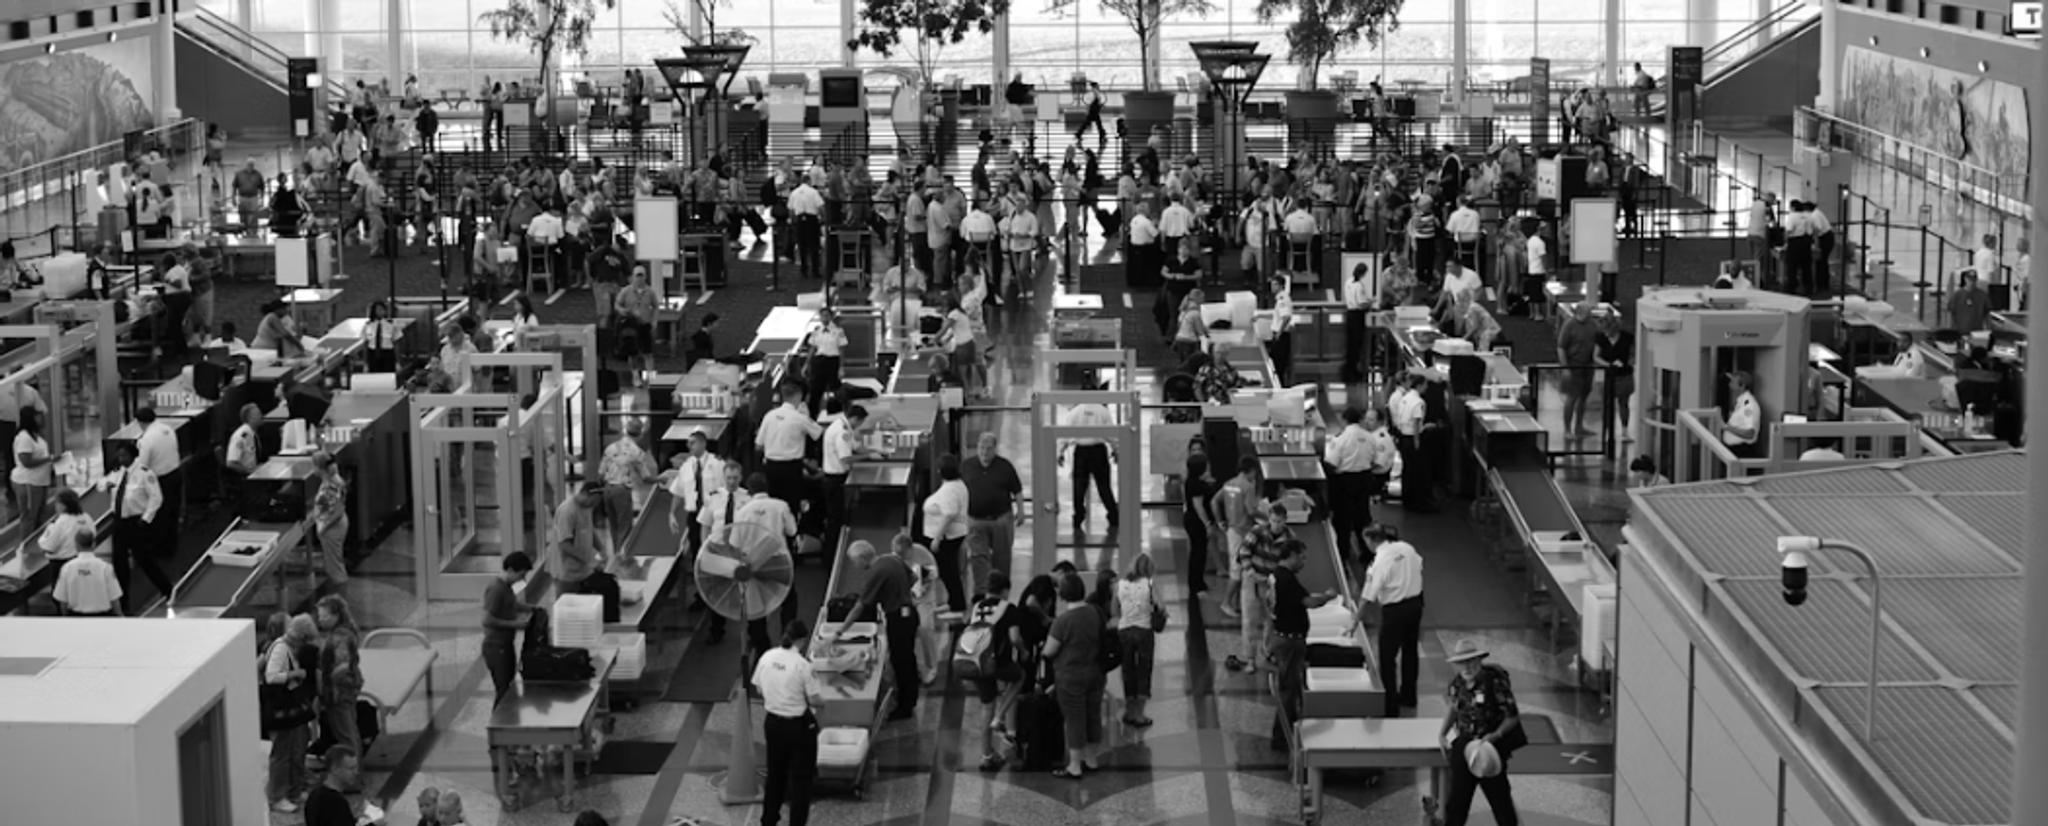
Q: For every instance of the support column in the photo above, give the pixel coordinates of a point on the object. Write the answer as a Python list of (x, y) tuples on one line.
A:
[(694, 19), (329, 26), (2029, 794), (847, 31), (1830, 57), (1610, 59), (163, 58), (999, 56), (394, 43), (1764, 33), (1703, 22), (1461, 50)]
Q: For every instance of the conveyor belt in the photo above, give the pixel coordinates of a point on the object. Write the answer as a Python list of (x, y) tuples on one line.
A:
[(213, 585), (1534, 495), (650, 535), (1321, 571)]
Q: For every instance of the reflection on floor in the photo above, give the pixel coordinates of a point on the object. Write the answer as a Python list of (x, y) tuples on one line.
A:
[(1206, 761)]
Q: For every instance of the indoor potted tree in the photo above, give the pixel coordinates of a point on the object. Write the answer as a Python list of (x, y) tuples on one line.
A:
[(550, 29), (1150, 104), (1318, 31)]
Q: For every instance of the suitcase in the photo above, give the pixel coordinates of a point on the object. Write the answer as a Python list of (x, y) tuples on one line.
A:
[(1041, 732)]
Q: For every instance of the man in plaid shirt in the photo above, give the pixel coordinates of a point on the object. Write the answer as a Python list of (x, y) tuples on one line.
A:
[(1263, 551)]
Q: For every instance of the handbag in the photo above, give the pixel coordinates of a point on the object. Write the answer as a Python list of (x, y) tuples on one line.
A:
[(284, 706), (1110, 655), (1158, 615)]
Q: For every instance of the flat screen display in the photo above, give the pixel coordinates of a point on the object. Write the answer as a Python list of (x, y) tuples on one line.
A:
[(839, 92)]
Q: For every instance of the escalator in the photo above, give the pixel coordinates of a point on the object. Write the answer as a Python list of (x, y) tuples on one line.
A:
[(1765, 70), (231, 77)]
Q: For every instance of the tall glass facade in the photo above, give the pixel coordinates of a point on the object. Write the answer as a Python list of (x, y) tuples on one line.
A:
[(445, 46)]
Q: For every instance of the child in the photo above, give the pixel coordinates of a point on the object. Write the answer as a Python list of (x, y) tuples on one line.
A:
[(430, 807)]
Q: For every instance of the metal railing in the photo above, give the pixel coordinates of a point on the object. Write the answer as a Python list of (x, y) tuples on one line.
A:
[(223, 37), (1755, 37)]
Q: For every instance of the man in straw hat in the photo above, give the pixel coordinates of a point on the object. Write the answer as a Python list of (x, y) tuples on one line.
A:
[(1482, 710)]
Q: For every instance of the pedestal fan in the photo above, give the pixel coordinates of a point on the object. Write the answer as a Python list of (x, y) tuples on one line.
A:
[(744, 573)]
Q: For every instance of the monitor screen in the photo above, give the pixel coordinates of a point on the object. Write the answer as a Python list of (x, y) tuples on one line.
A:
[(839, 92)]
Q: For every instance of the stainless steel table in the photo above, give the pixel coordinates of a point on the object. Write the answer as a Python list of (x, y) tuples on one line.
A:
[(558, 722)]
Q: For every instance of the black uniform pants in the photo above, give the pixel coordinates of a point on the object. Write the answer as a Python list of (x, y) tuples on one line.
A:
[(901, 628), (1091, 464), (1354, 345), (1399, 644), (135, 545), (792, 764), (1198, 552), (1350, 511), (810, 241), (786, 482)]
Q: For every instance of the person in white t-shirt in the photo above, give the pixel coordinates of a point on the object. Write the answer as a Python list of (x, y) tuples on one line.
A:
[(33, 473), (791, 695), (88, 585)]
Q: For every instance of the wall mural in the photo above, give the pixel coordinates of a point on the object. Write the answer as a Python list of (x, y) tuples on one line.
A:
[(1974, 119), (53, 106)]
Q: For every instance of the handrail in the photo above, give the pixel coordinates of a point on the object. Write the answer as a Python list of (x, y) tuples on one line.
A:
[(211, 28), (1743, 42)]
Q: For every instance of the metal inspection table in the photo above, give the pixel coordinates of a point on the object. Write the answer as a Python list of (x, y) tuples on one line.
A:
[(562, 722), (1353, 743)]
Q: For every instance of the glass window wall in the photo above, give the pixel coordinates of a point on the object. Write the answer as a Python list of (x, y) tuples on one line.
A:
[(449, 50)]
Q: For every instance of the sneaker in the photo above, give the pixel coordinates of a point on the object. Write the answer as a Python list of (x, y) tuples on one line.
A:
[(1233, 663)]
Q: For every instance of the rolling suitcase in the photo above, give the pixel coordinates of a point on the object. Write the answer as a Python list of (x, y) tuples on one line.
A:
[(1042, 732)]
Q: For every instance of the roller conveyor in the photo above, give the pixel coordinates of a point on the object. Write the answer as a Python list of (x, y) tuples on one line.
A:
[(650, 535), (213, 589), (1533, 500)]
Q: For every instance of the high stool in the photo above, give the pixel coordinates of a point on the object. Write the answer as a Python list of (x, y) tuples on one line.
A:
[(540, 268)]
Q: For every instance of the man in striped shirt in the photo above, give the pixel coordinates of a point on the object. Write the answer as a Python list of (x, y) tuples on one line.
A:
[(1264, 550)]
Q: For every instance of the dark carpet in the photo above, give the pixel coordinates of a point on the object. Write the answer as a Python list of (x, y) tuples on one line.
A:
[(707, 672), (636, 757)]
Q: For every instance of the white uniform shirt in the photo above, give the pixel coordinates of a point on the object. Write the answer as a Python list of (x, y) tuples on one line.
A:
[(1539, 250), (685, 487), (712, 517), (1986, 264), (838, 447), (60, 537), (768, 512), (142, 496), (1408, 409), (785, 432), (1747, 415), (158, 447), (242, 448), (1350, 451), (545, 228), (1395, 574), (1463, 223), (827, 341), (1384, 451), (87, 585), (1086, 415), (786, 681)]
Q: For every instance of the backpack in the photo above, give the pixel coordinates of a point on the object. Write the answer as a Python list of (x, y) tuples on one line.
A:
[(542, 662), (974, 656)]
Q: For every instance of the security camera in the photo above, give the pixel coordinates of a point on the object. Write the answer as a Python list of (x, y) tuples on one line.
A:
[(1793, 575), (1792, 551)]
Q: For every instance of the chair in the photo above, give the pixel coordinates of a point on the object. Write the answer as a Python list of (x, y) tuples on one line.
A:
[(540, 267)]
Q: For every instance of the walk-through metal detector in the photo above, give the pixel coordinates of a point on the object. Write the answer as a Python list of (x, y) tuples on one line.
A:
[(487, 472), (1049, 439), (579, 385), (1062, 369)]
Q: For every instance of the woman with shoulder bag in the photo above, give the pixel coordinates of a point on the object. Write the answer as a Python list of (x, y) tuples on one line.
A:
[(1140, 618), (288, 712), (341, 665)]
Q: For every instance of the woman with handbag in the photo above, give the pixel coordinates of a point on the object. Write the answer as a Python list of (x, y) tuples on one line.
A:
[(1140, 618), (1482, 729), (288, 712), (1074, 647), (341, 665)]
